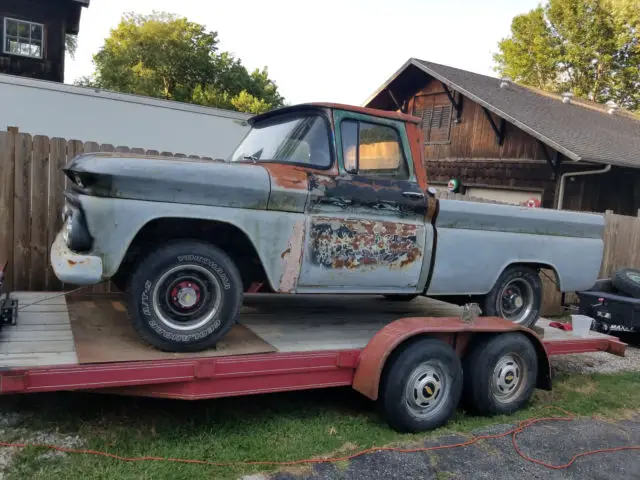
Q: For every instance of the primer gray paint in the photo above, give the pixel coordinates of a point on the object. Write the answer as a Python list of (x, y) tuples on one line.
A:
[(460, 214), (114, 223), (477, 241)]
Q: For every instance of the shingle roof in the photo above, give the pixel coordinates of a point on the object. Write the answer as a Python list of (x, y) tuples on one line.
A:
[(580, 130)]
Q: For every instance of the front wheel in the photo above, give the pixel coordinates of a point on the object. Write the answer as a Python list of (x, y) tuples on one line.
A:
[(421, 386), (185, 296), (516, 296)]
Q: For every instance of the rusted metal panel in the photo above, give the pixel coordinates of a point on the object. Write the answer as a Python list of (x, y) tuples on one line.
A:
[(362, 253), (352, 244), (289, 188), (375, 354)]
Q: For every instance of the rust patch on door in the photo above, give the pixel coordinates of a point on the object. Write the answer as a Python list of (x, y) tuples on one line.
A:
[(352, 244)]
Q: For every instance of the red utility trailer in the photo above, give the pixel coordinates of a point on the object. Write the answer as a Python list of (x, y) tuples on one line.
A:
[(417, 359)]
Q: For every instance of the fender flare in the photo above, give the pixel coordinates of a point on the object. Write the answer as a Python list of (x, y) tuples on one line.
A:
[(396, 335)]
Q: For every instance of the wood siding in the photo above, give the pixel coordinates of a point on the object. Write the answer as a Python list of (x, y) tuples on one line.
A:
[(617, 190), (53, 15), (472, 153)]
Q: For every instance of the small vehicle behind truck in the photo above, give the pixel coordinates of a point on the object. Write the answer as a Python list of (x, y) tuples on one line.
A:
[(317, 199)]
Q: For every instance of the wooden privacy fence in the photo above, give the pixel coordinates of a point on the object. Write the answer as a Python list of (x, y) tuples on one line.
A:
[(31, 200)]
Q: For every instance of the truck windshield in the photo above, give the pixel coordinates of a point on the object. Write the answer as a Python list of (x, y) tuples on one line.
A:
[(300, 139)]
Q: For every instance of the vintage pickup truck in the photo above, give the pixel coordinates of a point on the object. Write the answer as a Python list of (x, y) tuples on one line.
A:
[(316, 199)]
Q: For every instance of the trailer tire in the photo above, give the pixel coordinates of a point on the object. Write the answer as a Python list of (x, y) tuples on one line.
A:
[(500, 374), (627, 281), (185, 296), (517, 283), (421, 386)]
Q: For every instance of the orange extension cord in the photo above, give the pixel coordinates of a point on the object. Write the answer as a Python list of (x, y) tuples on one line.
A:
[(513, 432)]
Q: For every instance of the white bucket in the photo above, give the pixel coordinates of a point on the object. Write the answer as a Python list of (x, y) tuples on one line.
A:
[(581, 325)]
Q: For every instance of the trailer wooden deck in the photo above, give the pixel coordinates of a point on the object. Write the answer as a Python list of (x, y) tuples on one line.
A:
[(60, 330)]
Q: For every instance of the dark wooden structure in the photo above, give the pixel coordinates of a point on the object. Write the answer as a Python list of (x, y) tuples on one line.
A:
[(511, 143), (33, 34)]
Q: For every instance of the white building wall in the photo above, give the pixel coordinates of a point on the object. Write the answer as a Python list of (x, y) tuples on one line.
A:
[(77, 113)]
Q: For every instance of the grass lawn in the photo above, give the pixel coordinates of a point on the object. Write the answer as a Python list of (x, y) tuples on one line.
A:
[(269, 427)]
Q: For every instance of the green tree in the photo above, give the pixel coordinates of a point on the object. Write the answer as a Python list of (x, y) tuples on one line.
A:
[(588, 47), (162, 55), (71, 45)]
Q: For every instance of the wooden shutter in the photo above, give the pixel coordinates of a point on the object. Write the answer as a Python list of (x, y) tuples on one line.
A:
[(435, 112)]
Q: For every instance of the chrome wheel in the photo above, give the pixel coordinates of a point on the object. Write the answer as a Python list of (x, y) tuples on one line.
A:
[(515, 301), (427, 389), (509, 378), (186, 297)]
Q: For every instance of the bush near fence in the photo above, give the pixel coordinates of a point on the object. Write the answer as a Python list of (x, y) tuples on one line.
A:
[(31, 199)]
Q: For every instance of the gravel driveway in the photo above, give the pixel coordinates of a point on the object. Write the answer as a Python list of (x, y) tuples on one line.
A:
[(600, 362)]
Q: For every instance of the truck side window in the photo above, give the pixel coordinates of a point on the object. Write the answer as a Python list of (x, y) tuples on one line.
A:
[(373, 150)]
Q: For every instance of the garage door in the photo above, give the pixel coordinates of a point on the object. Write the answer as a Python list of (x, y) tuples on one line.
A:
[(516, 197)]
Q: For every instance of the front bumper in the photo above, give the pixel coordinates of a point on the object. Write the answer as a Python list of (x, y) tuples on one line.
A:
[(74, 268)]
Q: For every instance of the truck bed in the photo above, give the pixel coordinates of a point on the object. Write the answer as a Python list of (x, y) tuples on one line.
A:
[(94, 329)]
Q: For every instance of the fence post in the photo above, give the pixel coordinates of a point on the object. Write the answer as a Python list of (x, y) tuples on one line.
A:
[(7, 172)]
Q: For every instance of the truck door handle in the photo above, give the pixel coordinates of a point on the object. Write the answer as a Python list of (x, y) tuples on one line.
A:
[(414, 195)]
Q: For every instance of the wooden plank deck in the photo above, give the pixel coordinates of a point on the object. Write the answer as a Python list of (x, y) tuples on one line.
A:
[(302, 323), (43, 335)]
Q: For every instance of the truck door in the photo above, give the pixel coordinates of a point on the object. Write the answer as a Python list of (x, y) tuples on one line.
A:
[(366, 230)]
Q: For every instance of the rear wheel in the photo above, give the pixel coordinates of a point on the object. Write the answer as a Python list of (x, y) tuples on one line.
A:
[(421, 386), (185, 296), (516, 296), (500, 374)]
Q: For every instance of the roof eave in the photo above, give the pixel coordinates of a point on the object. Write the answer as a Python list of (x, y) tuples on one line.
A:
[(413, 61), (523, 126), (389, 81)]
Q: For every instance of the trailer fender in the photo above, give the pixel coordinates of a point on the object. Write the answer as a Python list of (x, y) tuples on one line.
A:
[(398, 334)]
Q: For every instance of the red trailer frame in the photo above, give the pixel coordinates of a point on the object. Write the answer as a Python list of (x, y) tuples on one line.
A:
[(215, 377)]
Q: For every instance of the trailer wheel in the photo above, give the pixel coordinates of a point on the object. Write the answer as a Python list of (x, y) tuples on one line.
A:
[(516, 296), (421, 386), (500, 374), (184, 296)]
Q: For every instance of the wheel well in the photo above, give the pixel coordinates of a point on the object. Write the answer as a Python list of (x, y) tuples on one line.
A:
[(539, 266), (463, 342), (229, 238)]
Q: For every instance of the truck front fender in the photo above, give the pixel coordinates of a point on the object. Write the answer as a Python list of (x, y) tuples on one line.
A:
[(276, 236)]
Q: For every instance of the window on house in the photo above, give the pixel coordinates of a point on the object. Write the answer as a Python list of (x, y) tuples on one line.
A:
[(23, 38), (435, 111), (372, 149)]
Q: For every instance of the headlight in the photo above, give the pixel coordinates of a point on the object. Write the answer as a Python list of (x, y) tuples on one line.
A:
[(74, 230)]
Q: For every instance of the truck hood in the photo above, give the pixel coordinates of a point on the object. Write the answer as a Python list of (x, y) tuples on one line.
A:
[(169, 179)]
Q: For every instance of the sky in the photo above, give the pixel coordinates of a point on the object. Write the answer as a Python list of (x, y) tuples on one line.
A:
[(329, 50)]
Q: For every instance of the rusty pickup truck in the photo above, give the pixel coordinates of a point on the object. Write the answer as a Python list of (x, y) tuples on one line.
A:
[(316, 199)]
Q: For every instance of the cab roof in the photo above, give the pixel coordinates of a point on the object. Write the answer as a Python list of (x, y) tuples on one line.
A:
[(302, 107)]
